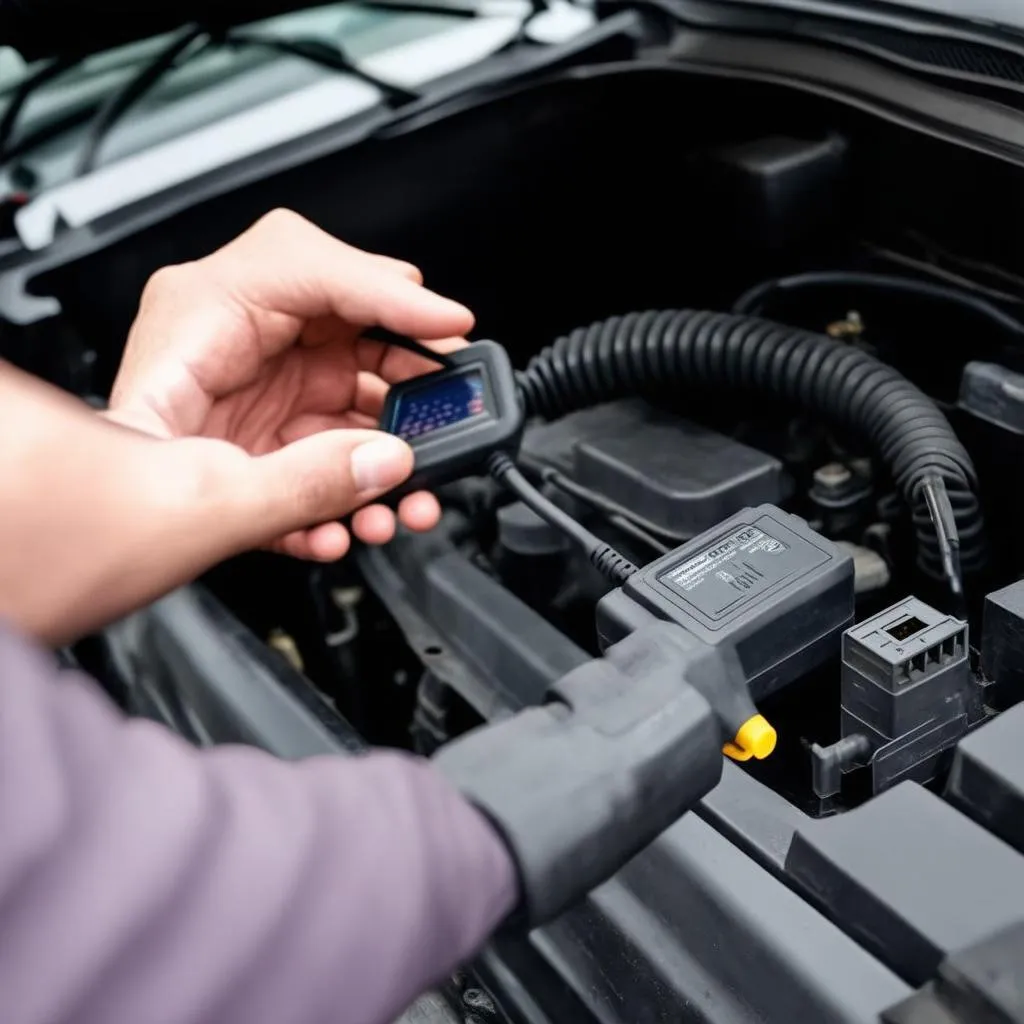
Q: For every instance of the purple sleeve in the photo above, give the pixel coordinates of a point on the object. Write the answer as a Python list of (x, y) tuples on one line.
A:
[(143, 880)]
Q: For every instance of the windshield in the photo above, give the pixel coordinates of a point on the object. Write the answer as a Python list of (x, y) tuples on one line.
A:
[(80, 138), (64, 119)]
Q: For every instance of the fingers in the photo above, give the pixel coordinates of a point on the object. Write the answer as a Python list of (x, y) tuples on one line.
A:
[(318, 479), (207, 329), (307, 424), (396, 364), (413, 273), (284, 266), (376, 524), (420, 512), (329, 393), (324, 543)]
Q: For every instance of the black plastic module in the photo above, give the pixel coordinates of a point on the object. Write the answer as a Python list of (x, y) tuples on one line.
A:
[(763, 582), (674, 477)]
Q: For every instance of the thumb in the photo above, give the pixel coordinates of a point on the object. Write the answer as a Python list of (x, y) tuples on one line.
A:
[(323, 477)]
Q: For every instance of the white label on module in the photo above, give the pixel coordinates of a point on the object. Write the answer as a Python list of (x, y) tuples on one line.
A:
[(740, 565)]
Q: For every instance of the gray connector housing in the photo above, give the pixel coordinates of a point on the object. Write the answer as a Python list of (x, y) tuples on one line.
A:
[(902, 668), (762, 582)]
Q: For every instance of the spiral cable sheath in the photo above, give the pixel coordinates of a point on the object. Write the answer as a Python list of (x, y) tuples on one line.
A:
[(638, 352)]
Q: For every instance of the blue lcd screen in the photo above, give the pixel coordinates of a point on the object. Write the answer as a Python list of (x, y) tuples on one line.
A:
[(442, 404)]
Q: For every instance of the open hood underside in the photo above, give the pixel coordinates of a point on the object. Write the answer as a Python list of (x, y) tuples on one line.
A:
[(47, 28), (998, 13)]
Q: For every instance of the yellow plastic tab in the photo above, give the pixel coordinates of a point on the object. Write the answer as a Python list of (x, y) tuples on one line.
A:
[(756, 738)]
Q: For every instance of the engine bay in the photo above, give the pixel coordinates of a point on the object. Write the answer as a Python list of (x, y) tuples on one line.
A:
[(754, 327)]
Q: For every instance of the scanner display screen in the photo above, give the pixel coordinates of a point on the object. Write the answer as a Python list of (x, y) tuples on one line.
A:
[(440, 404)]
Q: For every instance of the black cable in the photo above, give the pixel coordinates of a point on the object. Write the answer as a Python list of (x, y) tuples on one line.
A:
[(23, 91), (36, 137), (611, 513), (940, 513), (65, 122), (417, 348), (949, 277), (752, 301), (325, 55), (149, 74), (977, 266), (603, 557), (134, 89), (639, 352), (417, 7)]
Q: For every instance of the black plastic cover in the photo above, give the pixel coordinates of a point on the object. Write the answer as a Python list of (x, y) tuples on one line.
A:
[(910, 877), (188, 662), (1002, 645), (474, 634), (979, 985), (762, 582), (676, 478), (579, 786), (994, 394), (780, 191), (522, 532), (987, 778)]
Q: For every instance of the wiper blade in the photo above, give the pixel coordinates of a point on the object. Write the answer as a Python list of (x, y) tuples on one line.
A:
[(137, 86), (326, 55), (107, 114), (23, 90), (468, 11)]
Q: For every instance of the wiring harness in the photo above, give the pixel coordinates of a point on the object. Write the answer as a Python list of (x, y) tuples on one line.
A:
[(635, 353)]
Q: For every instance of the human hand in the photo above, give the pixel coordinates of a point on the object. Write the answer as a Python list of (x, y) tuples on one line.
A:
[(260, 344), (104, 519)]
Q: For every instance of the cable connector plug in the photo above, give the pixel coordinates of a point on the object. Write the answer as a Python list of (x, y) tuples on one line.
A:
[(940, 510), (610, 564)]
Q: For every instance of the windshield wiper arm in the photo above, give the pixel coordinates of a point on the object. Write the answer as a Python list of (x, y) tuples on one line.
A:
[(137, 86), (326, 55), (23, 90)]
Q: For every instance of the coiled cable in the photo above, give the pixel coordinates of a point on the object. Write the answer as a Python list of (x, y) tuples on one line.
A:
[(639, 352)]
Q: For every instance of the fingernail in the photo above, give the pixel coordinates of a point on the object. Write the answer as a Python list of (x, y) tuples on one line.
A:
[(380, 464)]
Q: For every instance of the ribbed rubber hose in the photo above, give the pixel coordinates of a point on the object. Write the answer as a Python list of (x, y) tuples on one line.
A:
[(638, 352)]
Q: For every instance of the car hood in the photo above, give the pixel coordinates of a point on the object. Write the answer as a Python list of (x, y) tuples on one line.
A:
[(47, 28), (1008, 14), (50, 28)]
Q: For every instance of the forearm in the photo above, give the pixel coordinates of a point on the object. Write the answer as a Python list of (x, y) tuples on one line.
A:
[(91, 524), (221, 885)]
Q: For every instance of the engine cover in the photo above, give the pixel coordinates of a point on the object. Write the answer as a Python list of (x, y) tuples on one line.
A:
[(674, 477)]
